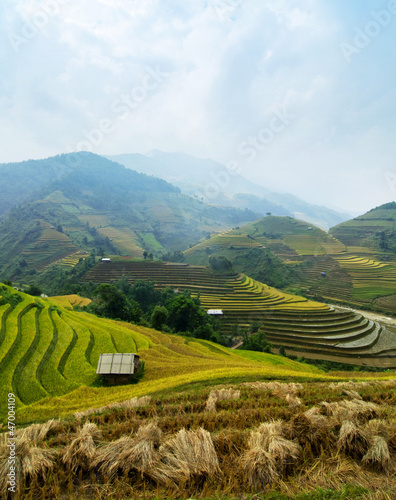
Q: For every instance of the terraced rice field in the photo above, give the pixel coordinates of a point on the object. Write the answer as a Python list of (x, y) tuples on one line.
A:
[(336, 285), (299, 324), (50, 247), (95, 220), (73, 260), (387, 303), (70, 301), (313, 245), (227, 239), (48, 358), (371, 278)]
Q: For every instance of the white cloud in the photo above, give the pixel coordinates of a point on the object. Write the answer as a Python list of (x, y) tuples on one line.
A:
[(228, 74)]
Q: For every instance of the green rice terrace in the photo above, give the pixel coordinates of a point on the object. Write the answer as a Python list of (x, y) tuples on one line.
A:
[(302, 326), (355, 264)]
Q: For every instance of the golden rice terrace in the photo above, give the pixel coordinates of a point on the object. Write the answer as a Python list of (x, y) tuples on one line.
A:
[(302, 326)]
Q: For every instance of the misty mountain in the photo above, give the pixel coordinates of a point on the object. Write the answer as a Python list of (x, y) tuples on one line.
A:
[(85, 202), (218, 185)]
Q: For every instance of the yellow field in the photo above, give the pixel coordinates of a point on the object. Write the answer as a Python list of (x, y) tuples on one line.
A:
[(70, 301), (124, 238), (313, 245)]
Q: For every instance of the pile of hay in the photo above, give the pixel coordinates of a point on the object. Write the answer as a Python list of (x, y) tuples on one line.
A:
[(287, 391), (30, 462), (312, 430), (352, 440), (82, 449), (269, 454), (187, 455), (38, 432), (139, 453), (355, 410)]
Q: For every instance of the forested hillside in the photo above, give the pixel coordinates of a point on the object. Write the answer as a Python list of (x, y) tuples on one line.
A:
[(69, 210)]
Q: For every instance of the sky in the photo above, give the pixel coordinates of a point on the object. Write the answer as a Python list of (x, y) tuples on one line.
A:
[(299, 96)]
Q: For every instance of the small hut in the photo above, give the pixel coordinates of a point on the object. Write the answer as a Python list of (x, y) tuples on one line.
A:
[(218, 313), (118, 368)]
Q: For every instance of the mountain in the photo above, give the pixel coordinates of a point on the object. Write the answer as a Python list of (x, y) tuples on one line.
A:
[(214, 183), (375, 229), (80, 202)]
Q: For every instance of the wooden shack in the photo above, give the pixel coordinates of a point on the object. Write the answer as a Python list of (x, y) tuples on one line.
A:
[(118, 368)]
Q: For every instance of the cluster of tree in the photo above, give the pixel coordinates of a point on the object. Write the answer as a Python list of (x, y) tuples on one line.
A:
[(176, 256), (164, 310), (263, 265), (256, 342), (220, 263)]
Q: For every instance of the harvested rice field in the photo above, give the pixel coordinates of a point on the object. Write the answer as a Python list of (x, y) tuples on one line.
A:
[(258, 439)]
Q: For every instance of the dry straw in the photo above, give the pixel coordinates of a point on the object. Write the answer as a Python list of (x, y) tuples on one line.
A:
[(127, 453), (129, 404), (82, 449), (354, 410), (39, 432), (189, 454), (286, 391), (30, 462), (221, 395), (378, 456), (352, 440), (269, 454)]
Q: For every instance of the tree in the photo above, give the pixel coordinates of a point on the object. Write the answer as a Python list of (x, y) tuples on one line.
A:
[(159, 316), (145, 253), (34, 290), (257, 342), (220, 263), (185, 315), (111, 303)]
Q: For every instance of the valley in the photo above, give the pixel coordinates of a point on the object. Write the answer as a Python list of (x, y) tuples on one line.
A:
[(82, 247)]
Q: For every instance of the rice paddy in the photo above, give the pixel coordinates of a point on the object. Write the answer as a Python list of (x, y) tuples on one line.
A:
[(303, 326), (49, 353)]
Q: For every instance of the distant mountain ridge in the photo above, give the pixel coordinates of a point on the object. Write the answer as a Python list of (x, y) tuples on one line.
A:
[(85, 202), (216, 184)]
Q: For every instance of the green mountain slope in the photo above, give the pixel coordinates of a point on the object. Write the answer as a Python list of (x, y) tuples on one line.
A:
[(375, 229), (96, 204)]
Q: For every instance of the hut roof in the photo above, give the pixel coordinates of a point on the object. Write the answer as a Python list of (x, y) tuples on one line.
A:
[(116, 364)]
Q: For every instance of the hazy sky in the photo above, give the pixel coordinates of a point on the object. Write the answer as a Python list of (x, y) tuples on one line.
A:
[(300, 94)]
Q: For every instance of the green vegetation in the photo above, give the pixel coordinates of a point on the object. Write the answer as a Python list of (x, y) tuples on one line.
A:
[(86, 204)]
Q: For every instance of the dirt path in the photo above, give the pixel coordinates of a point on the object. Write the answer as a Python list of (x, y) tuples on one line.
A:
[(372, 315)]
